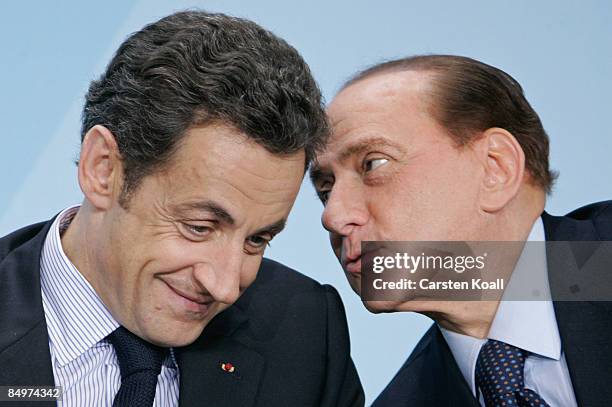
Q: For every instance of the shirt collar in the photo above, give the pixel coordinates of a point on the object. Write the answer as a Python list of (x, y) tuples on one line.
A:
[(529, 325), (77, 319)]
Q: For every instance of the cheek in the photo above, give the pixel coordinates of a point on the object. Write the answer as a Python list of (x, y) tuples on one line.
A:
[(425, 207), (249, 272), (354, 281), (175, 254)]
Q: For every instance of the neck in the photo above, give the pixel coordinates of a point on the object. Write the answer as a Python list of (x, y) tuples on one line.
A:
[(77, 242), (474, 318)]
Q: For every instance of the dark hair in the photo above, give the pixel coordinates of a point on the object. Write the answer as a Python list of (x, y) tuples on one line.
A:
[(469, 97), (194, 68)]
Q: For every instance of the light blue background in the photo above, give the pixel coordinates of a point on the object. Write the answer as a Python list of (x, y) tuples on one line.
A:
[(560, 51)]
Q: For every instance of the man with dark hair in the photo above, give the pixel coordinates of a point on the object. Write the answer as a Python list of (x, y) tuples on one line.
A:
[(444, 148), (138, 296)]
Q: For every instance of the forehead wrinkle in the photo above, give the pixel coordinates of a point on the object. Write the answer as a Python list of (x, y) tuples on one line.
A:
[(269, 185), (256, 194)]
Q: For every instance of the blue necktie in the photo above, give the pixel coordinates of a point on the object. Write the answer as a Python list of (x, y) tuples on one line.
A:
[(140, 364), (499, 376)]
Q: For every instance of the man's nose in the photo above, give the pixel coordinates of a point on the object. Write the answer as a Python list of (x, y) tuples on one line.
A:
[(345, 209), (220, 276)]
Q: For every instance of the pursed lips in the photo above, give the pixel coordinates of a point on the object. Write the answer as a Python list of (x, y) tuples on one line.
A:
[(351, 259), (352, 263)]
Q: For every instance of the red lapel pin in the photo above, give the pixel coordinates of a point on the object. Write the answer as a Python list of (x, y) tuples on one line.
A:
[(228, 367)]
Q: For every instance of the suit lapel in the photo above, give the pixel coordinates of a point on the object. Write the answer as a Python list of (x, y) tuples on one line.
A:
[(584, 326), (585, 333), (27, 361), (203, 381), (24, 341), (430, 377)]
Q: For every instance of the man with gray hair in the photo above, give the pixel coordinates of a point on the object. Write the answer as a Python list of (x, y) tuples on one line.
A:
[(153, 291), (441, 148)]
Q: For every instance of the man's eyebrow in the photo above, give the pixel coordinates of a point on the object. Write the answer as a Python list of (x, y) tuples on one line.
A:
[(208, 206), (273, 228), (363, 145)]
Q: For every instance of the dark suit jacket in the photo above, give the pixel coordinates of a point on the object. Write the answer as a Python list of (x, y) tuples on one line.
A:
[(431, 377), (287, 336)]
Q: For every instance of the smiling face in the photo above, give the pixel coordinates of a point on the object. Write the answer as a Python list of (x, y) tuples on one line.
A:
[(193, 235), (391, 172)]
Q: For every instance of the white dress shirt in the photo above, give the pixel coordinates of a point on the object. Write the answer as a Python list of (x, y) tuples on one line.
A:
[(83, 362), (529, 325)]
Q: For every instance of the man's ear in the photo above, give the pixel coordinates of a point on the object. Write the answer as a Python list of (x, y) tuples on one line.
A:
[(100, 168), (504, 168)]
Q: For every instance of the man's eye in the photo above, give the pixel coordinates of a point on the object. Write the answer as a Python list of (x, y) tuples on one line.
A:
[(199, 229), (323, 190), (256, 244), (372, 164), (323, 195), (259, 241), (196, 232)]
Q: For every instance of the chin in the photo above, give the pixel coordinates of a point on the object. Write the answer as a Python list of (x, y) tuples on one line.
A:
[(176, 339), (175, 334), (420, 306), (380, 307)]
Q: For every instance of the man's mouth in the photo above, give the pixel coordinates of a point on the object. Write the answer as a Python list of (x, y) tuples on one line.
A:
[(353, 265), (191, 301)]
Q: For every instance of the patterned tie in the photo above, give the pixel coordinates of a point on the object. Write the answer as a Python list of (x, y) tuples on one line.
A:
[(499, 376), (140, 363)]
